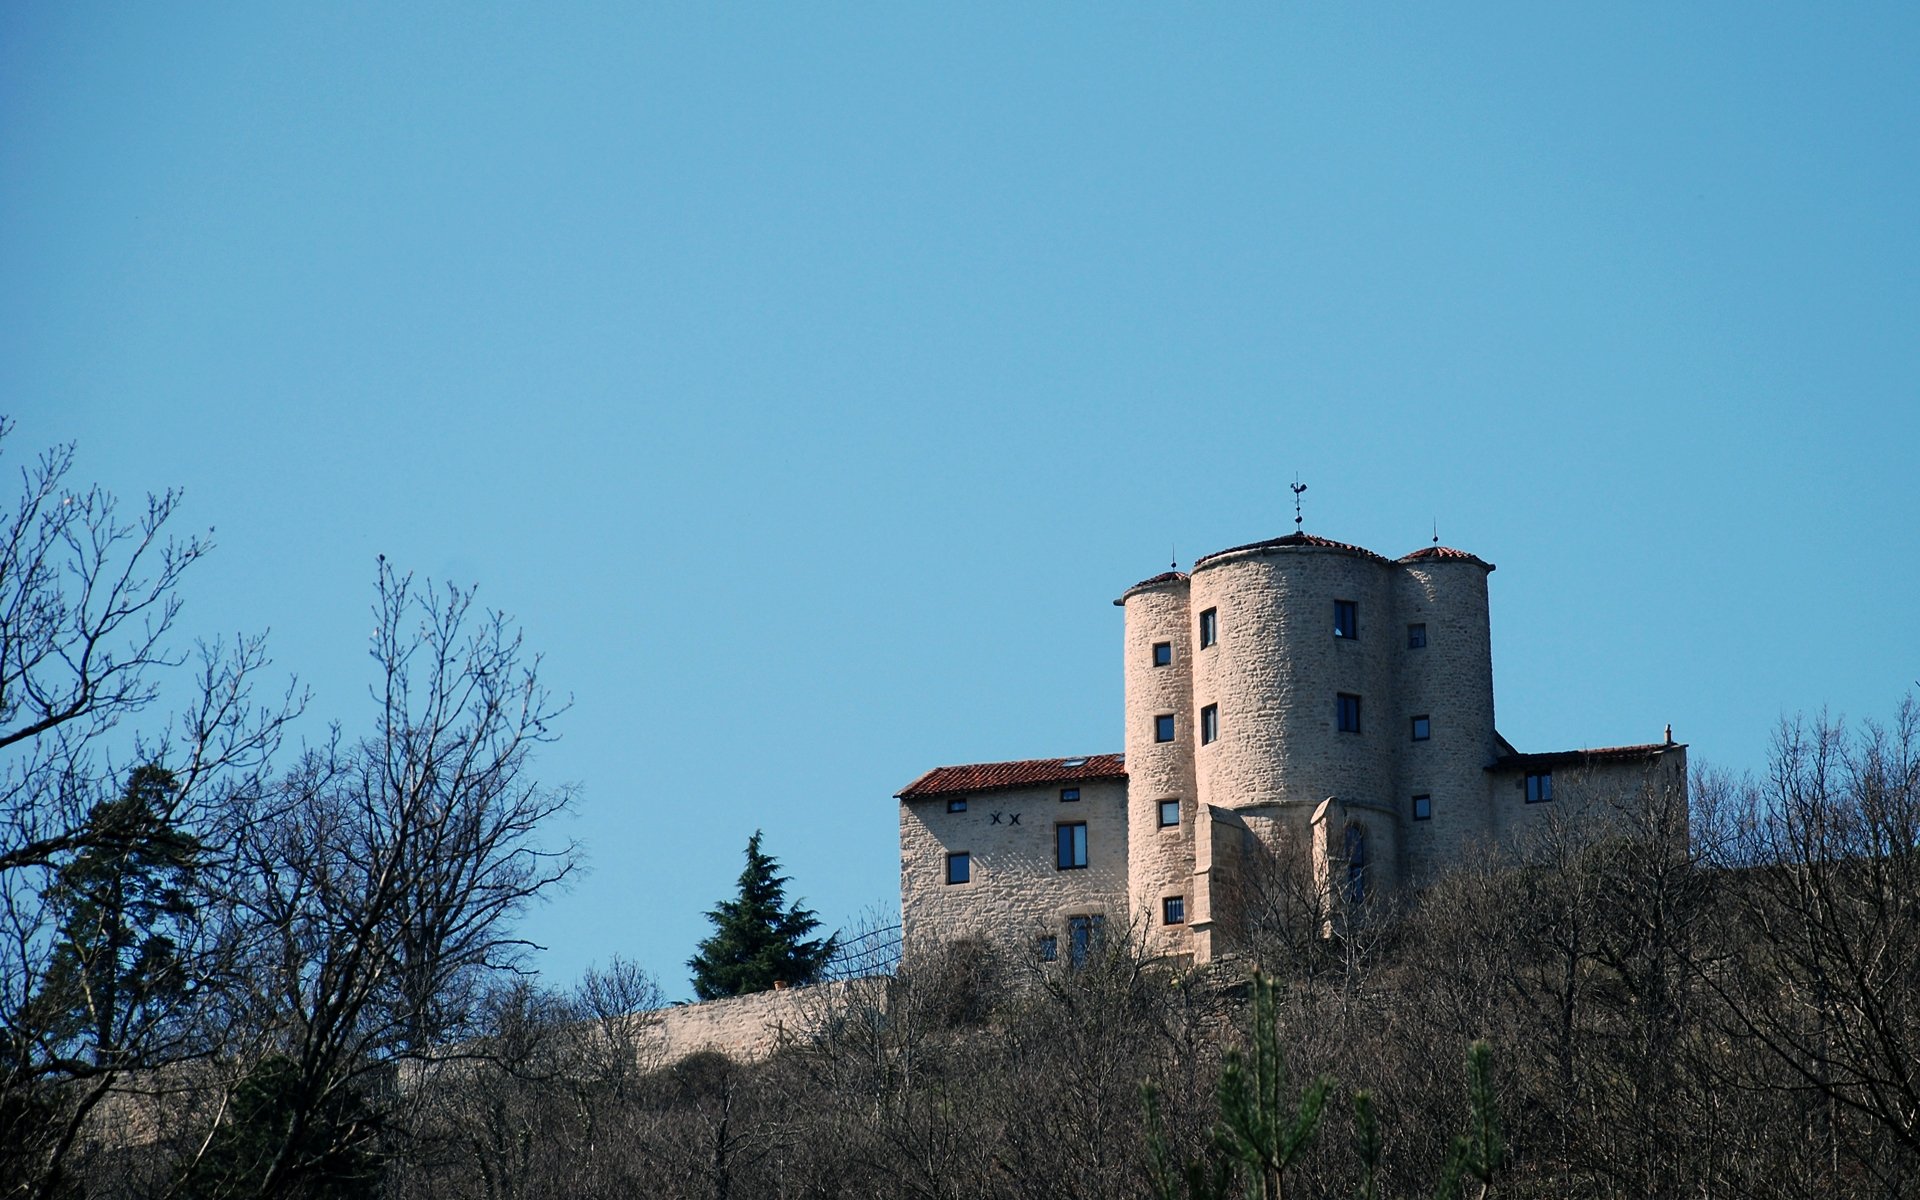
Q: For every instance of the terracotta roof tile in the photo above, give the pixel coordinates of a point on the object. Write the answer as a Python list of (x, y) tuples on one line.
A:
[(1562, 758), (1292, 539), (1445, 554), (986, 777), (1156, 581)]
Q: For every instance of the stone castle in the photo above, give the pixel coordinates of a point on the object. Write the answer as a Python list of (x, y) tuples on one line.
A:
[(1297, 694)]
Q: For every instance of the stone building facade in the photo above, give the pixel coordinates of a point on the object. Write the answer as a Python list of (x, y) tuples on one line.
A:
[(1292, 695)]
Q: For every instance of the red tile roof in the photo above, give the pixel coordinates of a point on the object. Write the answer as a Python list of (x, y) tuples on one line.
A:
[(1445, 554), (1562, 758), (1292, 539), (986, 777), (1156, 581)]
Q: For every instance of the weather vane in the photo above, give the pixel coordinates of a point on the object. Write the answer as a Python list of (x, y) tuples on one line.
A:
[(1298, 488)]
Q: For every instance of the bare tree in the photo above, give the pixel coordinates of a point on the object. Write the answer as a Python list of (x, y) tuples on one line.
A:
[(88, 604), (383, 884)]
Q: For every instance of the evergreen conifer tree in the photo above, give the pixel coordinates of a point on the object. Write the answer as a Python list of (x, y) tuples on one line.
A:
[(122, 900), (758, 939)]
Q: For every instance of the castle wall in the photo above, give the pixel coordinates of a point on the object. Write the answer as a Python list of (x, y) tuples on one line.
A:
[(1591, 794), (1017, 893)]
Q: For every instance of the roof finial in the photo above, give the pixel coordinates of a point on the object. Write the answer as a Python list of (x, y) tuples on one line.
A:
[(1298, 488), (1173, 552), (1436, 531)]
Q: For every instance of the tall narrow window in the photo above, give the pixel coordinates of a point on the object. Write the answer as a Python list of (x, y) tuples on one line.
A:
[(1209, 627), (1070, 845), (1083, 938), (1162, 654), (1422, 729), (1346, 619), (1209, 724), (1356, 864), (1347, 713), (1539, 787), (960, 867), (1163, 727)]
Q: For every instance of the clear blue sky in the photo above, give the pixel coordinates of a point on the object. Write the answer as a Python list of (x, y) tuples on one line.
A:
[(808, 380)]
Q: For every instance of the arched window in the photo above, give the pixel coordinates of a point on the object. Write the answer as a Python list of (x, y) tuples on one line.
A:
[(1356, 865)]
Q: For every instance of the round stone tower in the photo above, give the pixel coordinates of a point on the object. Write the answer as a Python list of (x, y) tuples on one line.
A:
[(1159, 648), (1446, 676), (1303, 694), (1303, 708)]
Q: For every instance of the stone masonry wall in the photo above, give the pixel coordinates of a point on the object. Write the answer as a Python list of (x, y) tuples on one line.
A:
[(1016, 893)]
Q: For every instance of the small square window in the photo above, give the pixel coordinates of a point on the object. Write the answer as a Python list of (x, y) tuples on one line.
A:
[(1347, 713), (1162, 654), (1209, 724), (1070, 845), (1069, 793), (1417, 637), (1209, 627), (1423, 808), (1050, 949), (1169, 813), (960, 868), (1422, 729), (1346, 619), (1539, 787), (1163, 727), (959, 805), (1173, 910)]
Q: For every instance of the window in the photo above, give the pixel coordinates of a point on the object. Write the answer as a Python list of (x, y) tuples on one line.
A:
[(1356, 864), (1346, 619), (959, 805), (1083, 937), (1347, 713), (1209, 724), (1422, 729), (960, 868), (1070, 845), (1173, 910), (1162, 653), (1417, 637), (1539, 787), (1163, 727), (1069, 793), (1209, 627), (1423, 808), (1169, 813), (1049, 948)]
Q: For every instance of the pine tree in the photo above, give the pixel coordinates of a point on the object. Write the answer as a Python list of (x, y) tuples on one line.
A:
[(122, 900), (758, 940)]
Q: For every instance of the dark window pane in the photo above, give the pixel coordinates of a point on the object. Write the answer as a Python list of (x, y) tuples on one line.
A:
[(1422, 808), (1416, 637), (1163, 727), (1162, 653), (1347, 711), (959, 868), (1422, 729), (1346, 619), (1173, 910), (1169, 812), (1209, 628)]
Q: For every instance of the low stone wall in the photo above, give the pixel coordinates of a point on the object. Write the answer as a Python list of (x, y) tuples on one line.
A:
[(748, 1028)]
